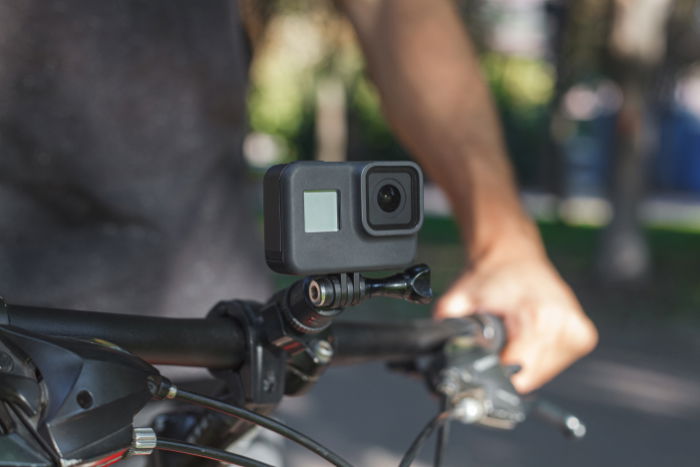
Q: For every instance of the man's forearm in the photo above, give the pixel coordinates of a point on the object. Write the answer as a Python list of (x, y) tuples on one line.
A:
[(439, 106), (436, 100)]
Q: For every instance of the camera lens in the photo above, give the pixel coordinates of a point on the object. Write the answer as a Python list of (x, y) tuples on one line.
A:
[(389, 198)]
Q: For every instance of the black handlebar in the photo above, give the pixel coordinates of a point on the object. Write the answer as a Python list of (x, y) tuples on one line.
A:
[(213, 343), (218, 342), (358, 342)]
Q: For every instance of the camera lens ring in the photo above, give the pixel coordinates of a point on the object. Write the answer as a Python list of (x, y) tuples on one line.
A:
[(389, 197), (406, 220), (374, 197)]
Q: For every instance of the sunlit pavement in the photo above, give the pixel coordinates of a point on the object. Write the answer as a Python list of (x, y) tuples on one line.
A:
[(639, 394)]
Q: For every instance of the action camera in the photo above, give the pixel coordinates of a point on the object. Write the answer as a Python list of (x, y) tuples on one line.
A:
[(323, 217)]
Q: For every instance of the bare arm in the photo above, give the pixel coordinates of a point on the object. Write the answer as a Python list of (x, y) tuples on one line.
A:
[(436, 101)]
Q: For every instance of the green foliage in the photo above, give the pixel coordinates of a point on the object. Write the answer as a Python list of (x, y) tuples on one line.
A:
[(364, 103), (277, 109), (524, 83), (522, 89), (304, 50), (370, 135)]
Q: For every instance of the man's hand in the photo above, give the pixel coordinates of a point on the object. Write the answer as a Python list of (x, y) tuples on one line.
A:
[(547, 329)]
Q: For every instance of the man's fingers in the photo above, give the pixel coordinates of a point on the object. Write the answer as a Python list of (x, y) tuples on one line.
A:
[(454, 304), (457, 301), (536, 370), (544, 354), (547, 329)]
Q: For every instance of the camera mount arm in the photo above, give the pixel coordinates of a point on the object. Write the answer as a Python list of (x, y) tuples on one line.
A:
[(313, 302), (335, 291), (296, 320)]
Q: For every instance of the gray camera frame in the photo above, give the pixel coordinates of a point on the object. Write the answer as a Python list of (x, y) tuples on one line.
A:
[(356, 246)]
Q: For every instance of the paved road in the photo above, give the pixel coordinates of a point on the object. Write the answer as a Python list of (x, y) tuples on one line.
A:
[(639, 394)]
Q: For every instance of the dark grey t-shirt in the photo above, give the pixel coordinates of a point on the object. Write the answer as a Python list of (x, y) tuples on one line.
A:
[(121, 181)]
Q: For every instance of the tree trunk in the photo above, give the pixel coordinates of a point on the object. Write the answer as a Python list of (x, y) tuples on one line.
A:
[(636, 48), (624, 252)]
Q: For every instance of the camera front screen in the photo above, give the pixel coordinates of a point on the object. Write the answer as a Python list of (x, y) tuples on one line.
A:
[(320, 211)]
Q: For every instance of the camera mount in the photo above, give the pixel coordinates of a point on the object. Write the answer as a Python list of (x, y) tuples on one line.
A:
[(335, 291), (296, 320), (313, 302)]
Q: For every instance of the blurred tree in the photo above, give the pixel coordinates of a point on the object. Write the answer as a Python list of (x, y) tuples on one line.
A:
[(643, 46), (636, 46), (577, 40), (682, 39)]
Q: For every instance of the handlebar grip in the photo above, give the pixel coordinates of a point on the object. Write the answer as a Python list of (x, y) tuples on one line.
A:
[(215, 343), (357, 342)]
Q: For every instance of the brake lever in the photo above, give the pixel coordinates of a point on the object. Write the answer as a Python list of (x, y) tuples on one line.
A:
[(568, 424), (478, 389)]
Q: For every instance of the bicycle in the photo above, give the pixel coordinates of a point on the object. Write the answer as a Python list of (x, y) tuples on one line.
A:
[(71, 381)]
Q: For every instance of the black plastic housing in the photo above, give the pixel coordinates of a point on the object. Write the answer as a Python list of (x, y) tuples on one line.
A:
[(81, 397), (367, 238)]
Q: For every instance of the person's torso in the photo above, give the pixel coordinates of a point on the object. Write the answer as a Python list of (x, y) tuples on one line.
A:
[(120, 172)]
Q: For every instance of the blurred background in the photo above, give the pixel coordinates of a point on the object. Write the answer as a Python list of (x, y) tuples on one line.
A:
[(600, 101)]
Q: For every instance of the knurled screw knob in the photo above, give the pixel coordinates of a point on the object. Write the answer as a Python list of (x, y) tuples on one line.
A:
[(323, 352), (143, 442)]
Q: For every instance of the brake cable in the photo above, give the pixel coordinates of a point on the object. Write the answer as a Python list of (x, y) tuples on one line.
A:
[(164, 444), (443, 434), (436, 422), (170, 391)]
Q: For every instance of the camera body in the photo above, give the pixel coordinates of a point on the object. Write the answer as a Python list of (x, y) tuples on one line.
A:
[(323, 217)]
